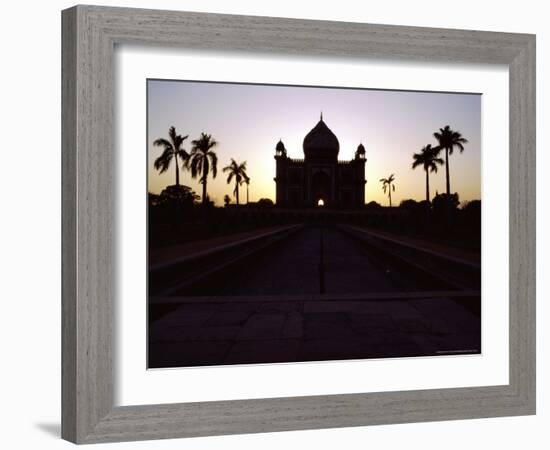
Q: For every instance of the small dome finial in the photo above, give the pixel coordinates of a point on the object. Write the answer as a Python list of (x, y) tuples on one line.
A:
[(360, 152), (280, 147)]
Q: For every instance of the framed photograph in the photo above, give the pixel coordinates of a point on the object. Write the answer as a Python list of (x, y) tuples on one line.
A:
[(277, 224)]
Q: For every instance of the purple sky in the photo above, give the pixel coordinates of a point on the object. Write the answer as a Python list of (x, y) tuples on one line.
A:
[(248, 120)]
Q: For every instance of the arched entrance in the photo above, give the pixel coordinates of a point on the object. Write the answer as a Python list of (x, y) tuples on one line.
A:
[(320, 189)]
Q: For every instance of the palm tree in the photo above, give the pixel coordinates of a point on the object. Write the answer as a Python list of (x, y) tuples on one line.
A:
[(237, 171), (388, 183), (449, 139), (428, 159), (201, 159), (172, 150)]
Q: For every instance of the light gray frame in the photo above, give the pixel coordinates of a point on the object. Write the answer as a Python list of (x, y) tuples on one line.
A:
[(89, 36)]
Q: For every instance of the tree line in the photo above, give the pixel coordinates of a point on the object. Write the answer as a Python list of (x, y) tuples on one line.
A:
[(429, 159), (201, 161)]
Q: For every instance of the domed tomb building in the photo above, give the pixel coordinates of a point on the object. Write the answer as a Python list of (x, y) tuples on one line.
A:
[(320, 179)]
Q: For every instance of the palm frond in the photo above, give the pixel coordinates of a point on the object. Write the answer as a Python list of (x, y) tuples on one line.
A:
[(183, 155), (179, 140), (162, 143), (427, 158), (449, 139), (195, 164), (162, 163), (418, 160), (172, 133), (204, 142), (214, 161), (235, 170)]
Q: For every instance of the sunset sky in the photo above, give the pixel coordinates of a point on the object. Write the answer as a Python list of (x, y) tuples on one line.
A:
[(248, 120)]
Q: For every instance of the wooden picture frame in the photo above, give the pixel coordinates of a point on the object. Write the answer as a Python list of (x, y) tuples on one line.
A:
[(90, 34)]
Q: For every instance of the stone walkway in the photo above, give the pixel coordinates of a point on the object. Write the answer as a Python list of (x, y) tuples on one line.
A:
[(245, 332), (318, 295), (293, 268)]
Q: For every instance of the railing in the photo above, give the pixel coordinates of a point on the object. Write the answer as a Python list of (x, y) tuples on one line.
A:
[(451, 271), (177, 274)]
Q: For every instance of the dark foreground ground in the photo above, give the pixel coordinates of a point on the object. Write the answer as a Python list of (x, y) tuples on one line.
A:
[(316, 295)]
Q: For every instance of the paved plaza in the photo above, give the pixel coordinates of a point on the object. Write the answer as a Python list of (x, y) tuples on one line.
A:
[(317, 295), (255, 332)]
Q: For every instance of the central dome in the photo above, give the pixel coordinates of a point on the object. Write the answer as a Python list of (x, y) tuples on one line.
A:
[(321, 142)]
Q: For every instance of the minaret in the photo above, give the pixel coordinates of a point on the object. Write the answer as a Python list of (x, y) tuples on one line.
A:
[(280, 173), (360, 152), (359, 161)]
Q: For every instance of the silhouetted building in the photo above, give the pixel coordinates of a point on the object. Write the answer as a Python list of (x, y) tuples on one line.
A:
[(319, 178)]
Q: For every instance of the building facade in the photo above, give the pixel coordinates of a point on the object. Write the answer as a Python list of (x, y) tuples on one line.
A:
[(320, 179)]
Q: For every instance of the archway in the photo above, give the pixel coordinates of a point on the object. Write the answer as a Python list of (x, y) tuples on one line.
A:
[(320, 188)]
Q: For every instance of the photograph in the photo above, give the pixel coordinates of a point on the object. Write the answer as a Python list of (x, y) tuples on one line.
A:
[(291, 224), (275, 225)]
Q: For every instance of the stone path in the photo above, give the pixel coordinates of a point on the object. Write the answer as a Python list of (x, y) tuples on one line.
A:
[(293, 267), (256, 332), (278, 311)]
